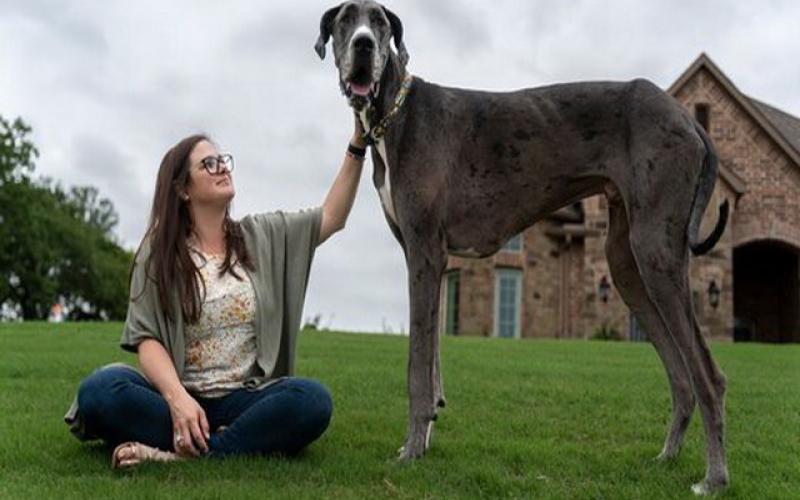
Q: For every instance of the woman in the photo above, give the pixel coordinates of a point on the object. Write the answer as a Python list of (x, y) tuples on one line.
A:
[(214, 313)]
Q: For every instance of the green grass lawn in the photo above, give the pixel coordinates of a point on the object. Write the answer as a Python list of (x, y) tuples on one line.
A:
[(544, 419)]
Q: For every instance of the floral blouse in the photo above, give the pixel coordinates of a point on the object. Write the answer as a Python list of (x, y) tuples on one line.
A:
[(221, 347)]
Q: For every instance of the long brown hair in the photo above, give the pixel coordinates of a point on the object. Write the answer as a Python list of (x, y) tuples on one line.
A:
[(169, 228)]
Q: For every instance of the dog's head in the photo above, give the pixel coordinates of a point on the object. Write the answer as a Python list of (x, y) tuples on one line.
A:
[(361, 31)]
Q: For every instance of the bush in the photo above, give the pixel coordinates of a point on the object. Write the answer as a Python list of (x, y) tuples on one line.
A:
[(606, 332)]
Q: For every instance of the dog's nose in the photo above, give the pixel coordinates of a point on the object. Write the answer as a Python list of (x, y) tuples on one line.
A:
[(363, 44)]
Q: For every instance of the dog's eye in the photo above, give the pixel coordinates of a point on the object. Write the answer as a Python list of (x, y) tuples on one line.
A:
[(377, 20)]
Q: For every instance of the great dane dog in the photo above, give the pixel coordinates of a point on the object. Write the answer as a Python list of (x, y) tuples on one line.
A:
[(461, 171)]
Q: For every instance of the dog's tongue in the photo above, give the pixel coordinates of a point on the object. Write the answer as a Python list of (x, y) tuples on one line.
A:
[(359, 89)]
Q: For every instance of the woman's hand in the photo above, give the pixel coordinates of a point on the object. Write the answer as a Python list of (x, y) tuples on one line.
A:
[(188, 418), (190, 426), (358, 134)]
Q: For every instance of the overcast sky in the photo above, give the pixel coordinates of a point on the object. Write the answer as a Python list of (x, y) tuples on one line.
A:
[(109, 86)]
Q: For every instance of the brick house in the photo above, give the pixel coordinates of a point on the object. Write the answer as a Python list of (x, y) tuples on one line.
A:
[(552, 280)]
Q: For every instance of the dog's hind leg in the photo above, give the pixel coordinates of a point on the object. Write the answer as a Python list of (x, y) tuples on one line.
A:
[(659, 244), (438, 389), (628, 282), (426, 261)]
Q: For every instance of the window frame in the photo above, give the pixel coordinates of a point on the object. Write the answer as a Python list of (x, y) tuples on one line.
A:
[(502, 273), (515, 244)]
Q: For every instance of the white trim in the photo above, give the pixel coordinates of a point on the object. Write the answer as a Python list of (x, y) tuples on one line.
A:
[(447, 288)]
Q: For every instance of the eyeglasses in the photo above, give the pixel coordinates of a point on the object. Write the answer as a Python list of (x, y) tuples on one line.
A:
[(216, 165)]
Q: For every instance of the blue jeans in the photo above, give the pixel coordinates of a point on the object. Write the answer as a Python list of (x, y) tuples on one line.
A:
[(119, 405)]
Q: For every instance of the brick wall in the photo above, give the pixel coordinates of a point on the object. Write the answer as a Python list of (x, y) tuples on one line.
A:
[(769, 209)]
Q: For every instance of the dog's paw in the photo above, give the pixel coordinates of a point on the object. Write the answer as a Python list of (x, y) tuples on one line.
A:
[(707, 487), (700, 489), (670, 451), (665, 457), (417, 444)]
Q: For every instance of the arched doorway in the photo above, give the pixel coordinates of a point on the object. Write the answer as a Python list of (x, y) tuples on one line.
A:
[(766, 292)]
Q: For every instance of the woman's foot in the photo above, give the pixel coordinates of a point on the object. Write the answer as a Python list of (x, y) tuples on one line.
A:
[(131, 454)]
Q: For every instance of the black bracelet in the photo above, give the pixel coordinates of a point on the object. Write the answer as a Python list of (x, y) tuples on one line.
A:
[(357, 152)]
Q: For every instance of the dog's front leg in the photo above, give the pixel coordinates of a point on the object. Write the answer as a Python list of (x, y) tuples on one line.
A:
[(424, 274)]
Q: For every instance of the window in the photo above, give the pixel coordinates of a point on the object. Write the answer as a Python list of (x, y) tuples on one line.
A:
[(701, 114), (508, 294), (452, 293), (514, 244)]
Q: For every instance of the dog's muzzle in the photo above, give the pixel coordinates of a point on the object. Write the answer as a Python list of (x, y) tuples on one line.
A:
[(359, 86)]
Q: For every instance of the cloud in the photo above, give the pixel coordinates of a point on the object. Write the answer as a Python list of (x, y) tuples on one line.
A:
[(110, 86), (57, 22), (99, 162), (462, 24), (288, 31)]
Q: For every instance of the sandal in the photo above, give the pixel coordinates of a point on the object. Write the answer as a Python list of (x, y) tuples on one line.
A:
[(132, 453)]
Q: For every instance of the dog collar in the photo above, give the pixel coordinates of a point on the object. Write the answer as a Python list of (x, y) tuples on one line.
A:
[(376, 133)]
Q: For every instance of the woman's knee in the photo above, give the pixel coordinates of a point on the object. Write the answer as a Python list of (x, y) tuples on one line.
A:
[(315, 404), (96, 393)]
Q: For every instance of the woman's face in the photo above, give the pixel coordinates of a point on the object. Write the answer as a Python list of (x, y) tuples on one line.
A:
[(204, 187)]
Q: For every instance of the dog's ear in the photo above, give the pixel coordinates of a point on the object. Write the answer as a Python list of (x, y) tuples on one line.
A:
[(397, 33), (325, 29)]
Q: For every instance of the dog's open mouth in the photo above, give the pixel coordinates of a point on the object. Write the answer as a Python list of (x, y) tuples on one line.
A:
[(361, 89), (360, 84)]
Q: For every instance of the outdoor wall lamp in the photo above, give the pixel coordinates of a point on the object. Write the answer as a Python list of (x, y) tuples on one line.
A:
[(713, 294), (603, 288)]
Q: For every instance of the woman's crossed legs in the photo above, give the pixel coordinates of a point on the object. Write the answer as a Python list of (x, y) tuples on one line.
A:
[(120, 406)]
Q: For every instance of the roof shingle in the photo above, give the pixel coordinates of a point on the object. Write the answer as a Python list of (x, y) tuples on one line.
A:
[(787, 125)]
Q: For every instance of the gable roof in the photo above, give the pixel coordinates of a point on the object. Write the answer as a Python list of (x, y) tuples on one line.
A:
[(787, 124), (782, 127)]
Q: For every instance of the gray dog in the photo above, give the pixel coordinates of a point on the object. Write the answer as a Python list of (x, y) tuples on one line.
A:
[(461, 171)]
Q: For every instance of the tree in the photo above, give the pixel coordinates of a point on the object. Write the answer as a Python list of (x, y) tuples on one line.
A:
[(17, 154), (17, 161), (55, 242), (84, 203), (29, 248)]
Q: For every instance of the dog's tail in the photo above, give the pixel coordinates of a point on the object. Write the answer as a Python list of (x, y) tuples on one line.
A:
[(708, 177)]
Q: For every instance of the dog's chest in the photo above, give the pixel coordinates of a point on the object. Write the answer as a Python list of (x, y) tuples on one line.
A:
[(385, 188)]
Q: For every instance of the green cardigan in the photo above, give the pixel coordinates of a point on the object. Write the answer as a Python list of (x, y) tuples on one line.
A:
[(282, 247)]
